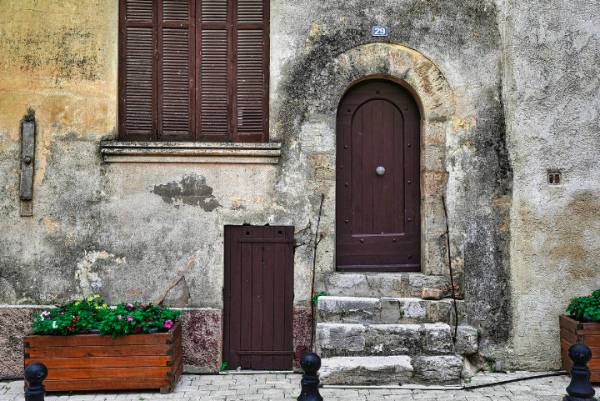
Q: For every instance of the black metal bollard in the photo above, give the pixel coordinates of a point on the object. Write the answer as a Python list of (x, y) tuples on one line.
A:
[(35, 374), (580, 388), (311, 363)]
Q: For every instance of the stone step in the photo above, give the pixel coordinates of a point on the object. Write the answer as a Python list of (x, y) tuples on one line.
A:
[(392, 370), (378, 285), (335, 309), (345, 339)]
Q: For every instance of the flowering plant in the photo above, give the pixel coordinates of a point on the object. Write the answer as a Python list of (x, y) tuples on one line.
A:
[(94, 314), (586, 308)]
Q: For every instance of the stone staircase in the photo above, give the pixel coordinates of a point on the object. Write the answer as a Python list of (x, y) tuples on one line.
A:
[(372, 329)]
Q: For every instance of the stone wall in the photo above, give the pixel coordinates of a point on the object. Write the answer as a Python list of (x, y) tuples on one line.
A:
[(520, 102)]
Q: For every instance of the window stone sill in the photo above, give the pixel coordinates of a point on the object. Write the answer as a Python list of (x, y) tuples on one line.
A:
[(190, 152)]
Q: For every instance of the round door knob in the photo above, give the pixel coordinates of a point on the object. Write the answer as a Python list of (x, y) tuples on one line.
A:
[(380, 170)]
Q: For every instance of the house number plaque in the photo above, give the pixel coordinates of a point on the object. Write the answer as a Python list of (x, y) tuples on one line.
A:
[(380, 31)]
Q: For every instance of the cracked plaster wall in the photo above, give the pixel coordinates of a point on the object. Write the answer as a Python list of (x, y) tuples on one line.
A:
[(523, 103)]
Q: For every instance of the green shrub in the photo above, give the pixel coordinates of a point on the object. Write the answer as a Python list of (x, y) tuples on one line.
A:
[(583, 307), (94, 314)]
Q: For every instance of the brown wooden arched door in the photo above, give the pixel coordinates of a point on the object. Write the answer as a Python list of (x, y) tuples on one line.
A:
[(378, 222)]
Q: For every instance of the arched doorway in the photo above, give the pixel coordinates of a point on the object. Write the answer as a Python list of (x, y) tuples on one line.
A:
[(378, 222)]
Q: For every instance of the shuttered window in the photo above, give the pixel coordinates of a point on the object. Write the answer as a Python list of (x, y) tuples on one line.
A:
[(194, 70)]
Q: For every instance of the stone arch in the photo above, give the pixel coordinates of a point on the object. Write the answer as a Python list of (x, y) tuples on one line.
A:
[(433, 93)]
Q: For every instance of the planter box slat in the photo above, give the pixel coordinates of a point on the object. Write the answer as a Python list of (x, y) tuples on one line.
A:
[(108, 384), (97, 339), (177, 360), (566, 344), (97, 350), (571, 332), (567, 335), (568, 324), (590, 341), (92, 362), (119, 373), (104, 362)]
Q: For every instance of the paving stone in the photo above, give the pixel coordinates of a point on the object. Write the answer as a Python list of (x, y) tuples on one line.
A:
[(287, 387)]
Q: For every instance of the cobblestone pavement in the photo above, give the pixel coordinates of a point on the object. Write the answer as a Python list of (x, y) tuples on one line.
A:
[(240, 387)]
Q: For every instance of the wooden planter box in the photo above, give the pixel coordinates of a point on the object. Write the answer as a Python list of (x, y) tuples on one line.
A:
[(86, 362), (571, 332)]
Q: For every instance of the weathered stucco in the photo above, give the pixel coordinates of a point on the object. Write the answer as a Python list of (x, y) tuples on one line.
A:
[(553, 108), (507, 93)]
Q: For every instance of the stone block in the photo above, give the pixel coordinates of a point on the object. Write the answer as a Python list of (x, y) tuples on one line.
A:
[(366, 370), (414, 310), (420, 281), (440, 311), (348, 284), (445, 369), (434, 183), (390, 311), (347, 309), (409, 339), (340, 339), (432, 293), (467, 341), (391, 285)]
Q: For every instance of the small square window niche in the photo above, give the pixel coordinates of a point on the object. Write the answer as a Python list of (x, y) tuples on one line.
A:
[(555, 178)]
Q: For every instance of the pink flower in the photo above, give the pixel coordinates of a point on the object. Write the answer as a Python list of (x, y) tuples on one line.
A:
[(129, 305), (169, 324), (130, 318), (45, 313), (120, 316)]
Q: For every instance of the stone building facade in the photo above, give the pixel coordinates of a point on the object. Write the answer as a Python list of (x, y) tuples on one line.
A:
[(507, 93)]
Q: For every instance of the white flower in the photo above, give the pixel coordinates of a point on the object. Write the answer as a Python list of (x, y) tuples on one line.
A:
[(54, 324)]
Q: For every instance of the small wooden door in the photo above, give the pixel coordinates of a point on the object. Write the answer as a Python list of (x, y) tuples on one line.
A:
[(378, 225), (259, 296)]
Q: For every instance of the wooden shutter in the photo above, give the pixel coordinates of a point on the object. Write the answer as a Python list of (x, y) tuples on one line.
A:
[(177, 71), (137, 97), (251, 44), (194, 70), (214, 124)]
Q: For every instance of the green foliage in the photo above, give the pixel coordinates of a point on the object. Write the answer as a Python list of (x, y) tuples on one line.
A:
[(93, 314), (491, 362), (315, 299), (582, 307), (401, 314), (224, 367)]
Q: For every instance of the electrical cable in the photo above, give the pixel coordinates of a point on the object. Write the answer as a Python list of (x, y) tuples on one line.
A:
[(312, 286), (11, 378), (451, 273), (559, 373)]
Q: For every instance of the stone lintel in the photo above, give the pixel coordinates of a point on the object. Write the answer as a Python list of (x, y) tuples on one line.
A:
[(190, 152)]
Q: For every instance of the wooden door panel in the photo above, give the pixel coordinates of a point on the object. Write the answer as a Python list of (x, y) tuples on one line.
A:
[(258, 297), (378, 216)]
